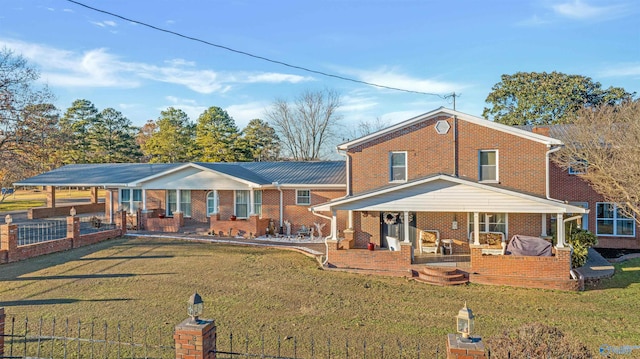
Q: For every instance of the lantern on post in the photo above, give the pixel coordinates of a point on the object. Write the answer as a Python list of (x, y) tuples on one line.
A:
[(195, 307), (73, 211), (464, 321), (8, 219)]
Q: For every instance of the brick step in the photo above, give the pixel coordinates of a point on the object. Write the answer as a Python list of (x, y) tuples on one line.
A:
[(441, 276)]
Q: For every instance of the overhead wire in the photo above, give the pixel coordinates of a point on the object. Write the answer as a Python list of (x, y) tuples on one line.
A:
[(302, 68)]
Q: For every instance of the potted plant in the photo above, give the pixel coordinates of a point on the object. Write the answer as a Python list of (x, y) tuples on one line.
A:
[(233, 217), (161, 215)]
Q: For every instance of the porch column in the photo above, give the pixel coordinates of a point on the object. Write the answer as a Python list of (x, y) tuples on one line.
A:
[(111, 206), (543, 224), (251, 202), (94, 195), (144, 199), (334, 225), (406, 226), (130, 200), (560, 230), (476, 228), (178, 200), (51, 196), (350, 220), (215, 201)]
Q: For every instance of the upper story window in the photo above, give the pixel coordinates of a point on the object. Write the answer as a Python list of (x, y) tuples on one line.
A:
[(578, 167), (397, 166), (488, 165), (610, 221), (303, 196)]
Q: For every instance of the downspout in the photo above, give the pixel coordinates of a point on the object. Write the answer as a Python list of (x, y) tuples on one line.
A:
[(547, 180), (326, 253), (110, 205)]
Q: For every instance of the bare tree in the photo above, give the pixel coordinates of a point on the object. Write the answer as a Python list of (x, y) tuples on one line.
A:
[(603, 144), (363, 128), (306, 125)]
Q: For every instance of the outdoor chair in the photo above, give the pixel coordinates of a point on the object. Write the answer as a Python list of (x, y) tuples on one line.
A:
[(429, 241), (393, 243), (492, 243)]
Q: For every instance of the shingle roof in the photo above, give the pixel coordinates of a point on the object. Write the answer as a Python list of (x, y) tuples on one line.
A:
[(263, 173)]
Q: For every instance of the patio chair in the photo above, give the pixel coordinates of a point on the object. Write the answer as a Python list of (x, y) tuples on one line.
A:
[(493, 243), (429, 241), (393, 243)]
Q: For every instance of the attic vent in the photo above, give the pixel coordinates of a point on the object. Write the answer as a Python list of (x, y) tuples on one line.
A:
[(442, 127)]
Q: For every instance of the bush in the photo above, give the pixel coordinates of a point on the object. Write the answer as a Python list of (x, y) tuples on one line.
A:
[(581, 240), (536, 340)]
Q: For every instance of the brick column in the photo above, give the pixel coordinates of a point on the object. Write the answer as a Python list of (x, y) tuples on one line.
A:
[(121, 221), (9, 236), (457, 349), (2, 317), (195, 339), (51, 196), (73, 228), (178, 218), (348, 240)]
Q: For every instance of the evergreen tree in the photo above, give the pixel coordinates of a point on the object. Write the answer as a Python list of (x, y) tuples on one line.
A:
[(217, 137), (75, 127), (173, 140), (112, 138), (262, 140)]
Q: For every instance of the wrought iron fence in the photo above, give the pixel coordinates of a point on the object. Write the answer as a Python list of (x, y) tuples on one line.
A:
[(41, 231), (52, 339)]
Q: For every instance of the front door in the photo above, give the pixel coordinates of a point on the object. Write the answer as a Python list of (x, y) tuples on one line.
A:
[(391, 224)]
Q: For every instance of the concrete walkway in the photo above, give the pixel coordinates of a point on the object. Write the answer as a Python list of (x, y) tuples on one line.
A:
[(597, 267)]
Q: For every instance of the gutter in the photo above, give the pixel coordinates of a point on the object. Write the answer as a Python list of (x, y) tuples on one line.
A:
[(348, 171), (277, 186), (547, 163)]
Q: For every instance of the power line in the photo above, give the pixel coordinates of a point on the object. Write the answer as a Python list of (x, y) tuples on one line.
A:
[(253, 55)]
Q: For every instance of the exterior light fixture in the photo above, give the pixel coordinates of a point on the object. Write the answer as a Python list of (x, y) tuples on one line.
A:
[(195, 307), (73, 212), (465, 320), (8, 219)]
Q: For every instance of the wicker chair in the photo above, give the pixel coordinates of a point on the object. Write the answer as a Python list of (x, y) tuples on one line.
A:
[(429, 241), (492, 242)]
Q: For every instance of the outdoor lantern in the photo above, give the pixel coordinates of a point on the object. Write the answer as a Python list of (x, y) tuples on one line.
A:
[(73, 212), (195, 306), (8, 219), (465, 321)]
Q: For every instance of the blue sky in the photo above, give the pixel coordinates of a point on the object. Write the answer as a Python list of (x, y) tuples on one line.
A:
[(428, 46)]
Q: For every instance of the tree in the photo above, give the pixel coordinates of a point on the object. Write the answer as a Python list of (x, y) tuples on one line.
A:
[(173, 140), (363, 128), (306, 125), (17, 95), (602, 143), (75, 126), (217, 137), (144, 134), (540, 98), (112, 138), (262, 141), (42, 152)]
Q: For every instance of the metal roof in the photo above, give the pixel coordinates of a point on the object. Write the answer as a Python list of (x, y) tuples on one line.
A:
[(261, 173)]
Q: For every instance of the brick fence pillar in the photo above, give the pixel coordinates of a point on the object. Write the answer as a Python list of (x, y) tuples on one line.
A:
[(178, 218), (73, 228), (459, 349), (195, 339), (9, 240), (121, 221), (2, 317)]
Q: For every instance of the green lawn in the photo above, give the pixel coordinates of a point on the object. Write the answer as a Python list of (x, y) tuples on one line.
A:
[(273, 292), (25, 199)]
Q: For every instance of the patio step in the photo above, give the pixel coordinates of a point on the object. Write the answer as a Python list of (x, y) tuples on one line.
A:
[(441, 276)]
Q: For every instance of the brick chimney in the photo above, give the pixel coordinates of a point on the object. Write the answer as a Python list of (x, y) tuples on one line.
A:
[(541, 130)]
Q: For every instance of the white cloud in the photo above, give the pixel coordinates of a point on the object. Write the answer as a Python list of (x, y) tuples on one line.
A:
[(127, 106), (67, 10), (99, 68), (391, 77), (621, 70), (534, 20), (103, 24), (580, 10), (243, 113), (352, 103)]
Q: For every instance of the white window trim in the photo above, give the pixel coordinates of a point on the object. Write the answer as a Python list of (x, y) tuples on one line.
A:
[(486, 223), (303, 204), (497, 180), (573, 171), (406, 167), (131, 200), (235, 203), (216, 201), (255, 202), (585, 216), (615, 222)]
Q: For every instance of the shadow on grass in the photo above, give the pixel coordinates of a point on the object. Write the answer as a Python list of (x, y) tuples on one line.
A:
[(626, 274), (123, 257), (29, 302)]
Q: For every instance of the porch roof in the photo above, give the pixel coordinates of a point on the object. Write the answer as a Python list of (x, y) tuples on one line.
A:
[(444, 193)]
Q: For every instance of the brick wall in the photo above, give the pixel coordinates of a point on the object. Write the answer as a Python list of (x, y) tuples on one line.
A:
[(380, 260), (44, 212), (254, 225), (521, 161), (524, 271), (199, 206), (572, 188)]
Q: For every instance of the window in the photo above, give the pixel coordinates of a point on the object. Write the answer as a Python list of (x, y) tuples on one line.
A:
[(578, 167), (303, 196), (610, 221), (397, 166), (130, 199), (488, 163), (257, 202), (490, 222), (212, 203), (242, 204), (585, 217), (185, 202)]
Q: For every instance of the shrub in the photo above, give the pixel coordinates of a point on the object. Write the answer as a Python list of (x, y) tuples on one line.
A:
[(536, 340), (581, 240)]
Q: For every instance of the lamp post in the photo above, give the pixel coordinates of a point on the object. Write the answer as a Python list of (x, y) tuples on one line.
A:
[(8, 219), (464, 321), (73, 211), (195, 307)]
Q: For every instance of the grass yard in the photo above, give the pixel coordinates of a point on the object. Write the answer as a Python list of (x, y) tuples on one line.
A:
[(25, 199), (258, 291)]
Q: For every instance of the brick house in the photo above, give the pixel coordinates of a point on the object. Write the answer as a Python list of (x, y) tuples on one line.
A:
[(221, 197)]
